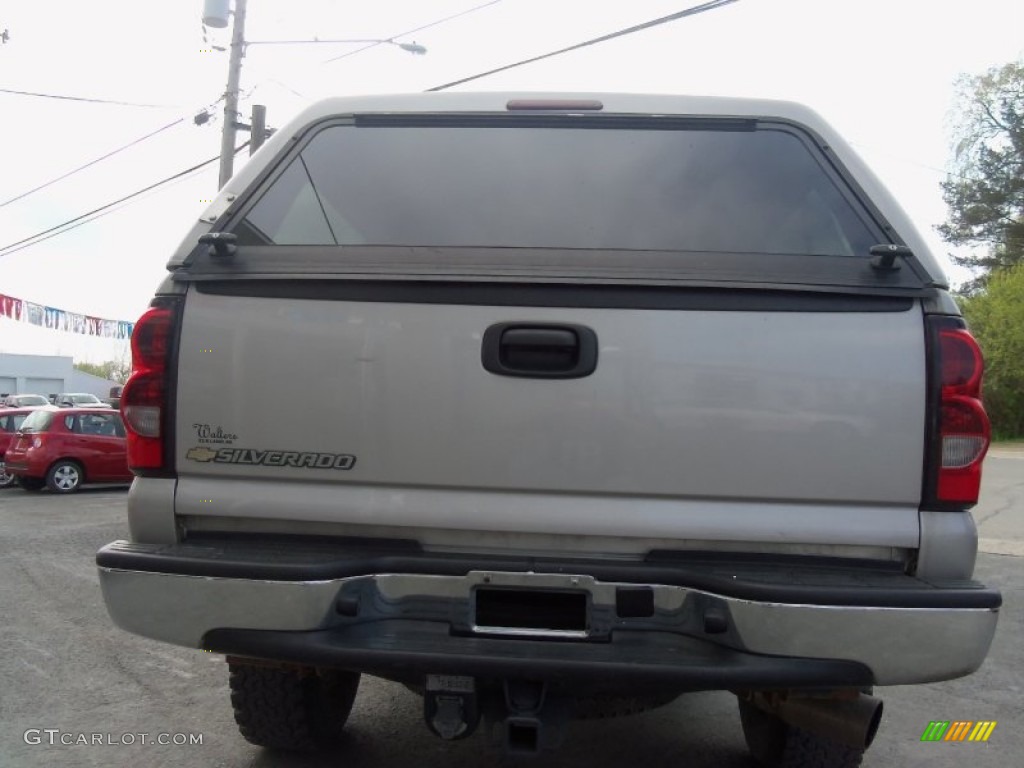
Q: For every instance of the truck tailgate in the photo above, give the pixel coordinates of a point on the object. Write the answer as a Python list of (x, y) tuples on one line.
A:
[(699, 410)]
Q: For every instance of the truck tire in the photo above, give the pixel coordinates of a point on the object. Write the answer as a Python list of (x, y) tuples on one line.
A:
[(295, 710), (808, 750), (775, 744)]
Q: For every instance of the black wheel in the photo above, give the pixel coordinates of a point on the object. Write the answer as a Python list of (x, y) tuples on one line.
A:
[(297, 710), (31, 483), (65, 476), (775, 744)]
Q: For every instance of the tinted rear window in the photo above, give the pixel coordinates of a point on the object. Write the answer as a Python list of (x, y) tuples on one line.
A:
[(37, 421), (99, 424), (738, 191)]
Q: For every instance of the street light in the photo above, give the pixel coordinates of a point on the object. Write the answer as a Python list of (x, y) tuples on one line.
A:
[(413, 47)]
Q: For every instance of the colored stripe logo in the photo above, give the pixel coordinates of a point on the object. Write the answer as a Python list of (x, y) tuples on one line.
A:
[(958, 730)]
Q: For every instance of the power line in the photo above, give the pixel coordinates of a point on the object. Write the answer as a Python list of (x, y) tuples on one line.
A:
[(92, 162), (85, 99), (180, 120), (176, 122), (64, 227), (894, 156), (91, 219), (111, 154), (406, 33), (110, 207), (417, 29), (709, 6)]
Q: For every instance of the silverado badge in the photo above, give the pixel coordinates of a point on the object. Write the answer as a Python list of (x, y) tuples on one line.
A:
[(267, 458)]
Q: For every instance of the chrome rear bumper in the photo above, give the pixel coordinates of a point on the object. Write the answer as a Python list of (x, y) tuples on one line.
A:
[(898, 644)]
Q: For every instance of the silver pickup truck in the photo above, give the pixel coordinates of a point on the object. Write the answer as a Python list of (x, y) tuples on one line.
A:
[(598, 399)]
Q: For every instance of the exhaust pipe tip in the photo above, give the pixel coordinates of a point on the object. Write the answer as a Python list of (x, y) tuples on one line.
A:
[(853, 722), (874, 718)]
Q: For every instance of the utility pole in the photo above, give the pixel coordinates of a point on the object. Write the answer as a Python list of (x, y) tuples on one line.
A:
[(215, 14), (227, 144)]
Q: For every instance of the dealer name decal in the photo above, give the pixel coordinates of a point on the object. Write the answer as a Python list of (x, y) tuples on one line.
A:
[(206, 433)]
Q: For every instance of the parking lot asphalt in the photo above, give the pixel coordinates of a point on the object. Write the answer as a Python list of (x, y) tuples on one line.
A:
[(1000, 513), (68, 674)]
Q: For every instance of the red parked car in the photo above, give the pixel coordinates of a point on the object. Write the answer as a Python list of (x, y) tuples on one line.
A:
[(10, 422), (63, 448)]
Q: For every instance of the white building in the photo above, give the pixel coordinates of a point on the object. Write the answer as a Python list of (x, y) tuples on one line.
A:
[(47, 375)]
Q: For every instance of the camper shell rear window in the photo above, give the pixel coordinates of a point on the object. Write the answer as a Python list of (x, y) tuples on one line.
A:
[(600, 183)]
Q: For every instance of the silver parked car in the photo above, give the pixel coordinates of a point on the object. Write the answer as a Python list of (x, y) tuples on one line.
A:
[(23, 401), (80, 400)]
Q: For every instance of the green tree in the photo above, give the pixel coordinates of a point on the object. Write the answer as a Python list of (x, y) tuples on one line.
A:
[(114, 370), (996, 318), (985, 189)]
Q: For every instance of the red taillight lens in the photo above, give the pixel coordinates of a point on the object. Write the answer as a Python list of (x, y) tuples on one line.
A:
[(962, 433), (961, 363), (145, 398), (151, 339)]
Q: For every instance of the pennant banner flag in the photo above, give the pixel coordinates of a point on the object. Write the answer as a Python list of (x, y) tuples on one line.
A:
[(59, 320)]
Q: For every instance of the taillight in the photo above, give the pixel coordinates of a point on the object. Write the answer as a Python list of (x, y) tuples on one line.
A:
[(960, 430), (145, 400)]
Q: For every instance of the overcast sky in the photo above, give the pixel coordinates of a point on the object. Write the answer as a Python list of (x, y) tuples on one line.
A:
[(881, 71)]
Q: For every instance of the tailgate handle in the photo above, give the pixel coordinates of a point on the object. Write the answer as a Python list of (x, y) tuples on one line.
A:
[(539, 351)]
